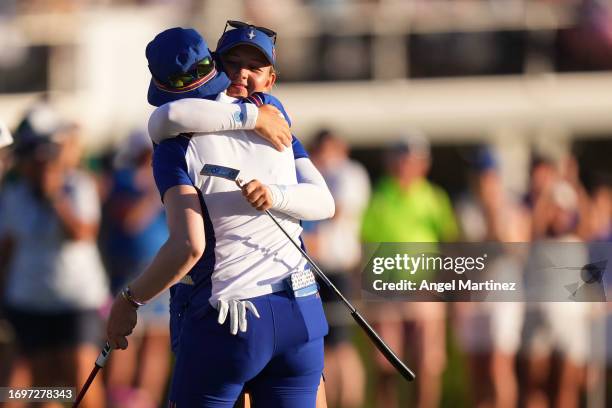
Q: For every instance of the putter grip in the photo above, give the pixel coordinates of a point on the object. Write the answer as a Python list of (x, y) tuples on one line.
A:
[(382, 346), (101, 360)]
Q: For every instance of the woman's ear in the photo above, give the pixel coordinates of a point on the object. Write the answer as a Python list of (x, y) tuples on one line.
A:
[(271, 79)]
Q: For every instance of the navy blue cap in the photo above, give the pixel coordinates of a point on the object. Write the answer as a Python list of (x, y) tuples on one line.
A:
[(175, 51), (248, 36)]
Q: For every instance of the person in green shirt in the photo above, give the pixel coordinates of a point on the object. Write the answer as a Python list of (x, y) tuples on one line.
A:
[(406, 207)]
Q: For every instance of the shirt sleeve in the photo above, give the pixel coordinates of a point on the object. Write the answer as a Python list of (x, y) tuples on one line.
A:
[(260, 98), (170, 166), (310, 199), (200, 115), (299, 152)]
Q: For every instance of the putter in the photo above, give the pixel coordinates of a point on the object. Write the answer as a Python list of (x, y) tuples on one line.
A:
[(100, 362), (232, 175)]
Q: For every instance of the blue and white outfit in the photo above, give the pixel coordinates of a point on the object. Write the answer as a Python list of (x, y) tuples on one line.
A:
[(246, 257), (190, 115)]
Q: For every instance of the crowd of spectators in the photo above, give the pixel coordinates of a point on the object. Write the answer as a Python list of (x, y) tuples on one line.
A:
[(71, 236)]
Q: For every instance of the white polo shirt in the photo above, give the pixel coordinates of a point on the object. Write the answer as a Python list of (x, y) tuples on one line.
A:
[(245, 251)]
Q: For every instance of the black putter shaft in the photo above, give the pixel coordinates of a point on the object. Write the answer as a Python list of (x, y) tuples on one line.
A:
[(376, 339), (100, 362)]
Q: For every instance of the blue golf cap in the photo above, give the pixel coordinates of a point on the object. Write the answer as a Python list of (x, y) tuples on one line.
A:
[(248, 35), (178, 51)]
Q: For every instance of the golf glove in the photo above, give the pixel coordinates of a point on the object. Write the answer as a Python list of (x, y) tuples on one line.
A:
[(237, 310)]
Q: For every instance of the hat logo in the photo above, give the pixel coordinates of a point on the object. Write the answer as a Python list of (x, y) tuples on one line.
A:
[(251, 34)]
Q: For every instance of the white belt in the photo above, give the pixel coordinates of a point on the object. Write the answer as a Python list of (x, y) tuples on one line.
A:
[(299, 284)]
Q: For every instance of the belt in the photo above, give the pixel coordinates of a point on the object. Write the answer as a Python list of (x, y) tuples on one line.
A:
[(298, 284)]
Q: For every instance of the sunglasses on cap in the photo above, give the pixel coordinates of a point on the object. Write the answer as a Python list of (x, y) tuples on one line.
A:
[(240, 24), (197, 72)]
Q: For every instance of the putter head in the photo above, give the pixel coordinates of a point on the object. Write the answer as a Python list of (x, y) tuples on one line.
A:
[(220, 171)]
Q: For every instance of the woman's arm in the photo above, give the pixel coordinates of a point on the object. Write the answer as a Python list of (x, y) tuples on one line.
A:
[(184, 246), (200, 115), (310, 199), (205, 116)]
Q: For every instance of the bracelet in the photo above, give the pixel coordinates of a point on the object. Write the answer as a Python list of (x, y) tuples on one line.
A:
[(127, 295)]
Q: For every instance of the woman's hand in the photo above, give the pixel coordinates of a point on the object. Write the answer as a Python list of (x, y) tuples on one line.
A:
[(121, 323), (258, 195), (272, 127)]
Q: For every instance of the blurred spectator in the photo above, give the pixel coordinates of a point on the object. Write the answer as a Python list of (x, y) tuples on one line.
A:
[(6, 333), (600, 255), (490, 332), (5, 140), (546, 175), (489, 212), (555, 333), (406, 207), (55, 282), (336, 246), (601, 213), (135, 230), (600, 218), (542, 173)]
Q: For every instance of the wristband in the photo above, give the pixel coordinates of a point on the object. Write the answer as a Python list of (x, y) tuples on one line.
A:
[(249, 113), (127, 295), (279, 199)]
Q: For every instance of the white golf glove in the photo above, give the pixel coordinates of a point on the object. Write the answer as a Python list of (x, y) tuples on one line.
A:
[(237, 311)]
